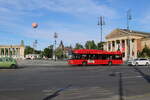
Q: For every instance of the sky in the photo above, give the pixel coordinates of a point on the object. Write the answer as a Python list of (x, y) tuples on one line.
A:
[(75, 21)]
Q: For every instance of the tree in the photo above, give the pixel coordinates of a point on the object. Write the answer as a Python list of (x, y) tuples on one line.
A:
[(100, 45), (48, 52), (78, 46), (28, 50), (90, 45), (145, 52), (59, 53)]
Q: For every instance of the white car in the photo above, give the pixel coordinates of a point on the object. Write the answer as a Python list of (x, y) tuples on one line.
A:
[(139, 61)]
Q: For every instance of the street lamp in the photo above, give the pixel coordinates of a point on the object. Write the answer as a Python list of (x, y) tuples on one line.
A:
[(55, 42)]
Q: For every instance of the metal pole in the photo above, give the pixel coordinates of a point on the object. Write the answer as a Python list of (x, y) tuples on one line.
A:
[(127, 22), (128, 40), (55, 50), (55, 36), (120, 87), (101, 32), (101, 23)]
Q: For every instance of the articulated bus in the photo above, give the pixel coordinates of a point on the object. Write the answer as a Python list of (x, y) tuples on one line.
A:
[(91, 57)]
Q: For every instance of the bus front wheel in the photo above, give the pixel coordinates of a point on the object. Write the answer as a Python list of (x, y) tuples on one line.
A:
[(84, 63)]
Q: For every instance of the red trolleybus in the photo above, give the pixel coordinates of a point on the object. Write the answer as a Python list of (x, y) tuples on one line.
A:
[(91, 56)]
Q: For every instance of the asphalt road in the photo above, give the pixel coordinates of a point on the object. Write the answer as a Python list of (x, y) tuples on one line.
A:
[(35, 82)]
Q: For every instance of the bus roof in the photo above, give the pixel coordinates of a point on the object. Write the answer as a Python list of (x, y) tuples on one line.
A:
[(94, 51)]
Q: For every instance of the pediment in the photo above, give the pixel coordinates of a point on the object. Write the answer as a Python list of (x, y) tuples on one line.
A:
[(116, 33)]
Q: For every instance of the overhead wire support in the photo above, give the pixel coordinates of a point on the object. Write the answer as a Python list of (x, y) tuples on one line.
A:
[(129, 18), (101, 23)]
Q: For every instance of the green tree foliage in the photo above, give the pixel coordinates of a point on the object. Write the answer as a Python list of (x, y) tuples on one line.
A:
[(28, 50), (78, 46), (59, 53), (145, 52), (100, 45), (48, 52), (90, 45)]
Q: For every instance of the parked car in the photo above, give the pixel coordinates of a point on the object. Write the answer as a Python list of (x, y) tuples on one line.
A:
[(7, 62), (139, 61)]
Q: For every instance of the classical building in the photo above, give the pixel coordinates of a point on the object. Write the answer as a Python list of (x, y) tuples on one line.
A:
[(129, 42), (15, 51)]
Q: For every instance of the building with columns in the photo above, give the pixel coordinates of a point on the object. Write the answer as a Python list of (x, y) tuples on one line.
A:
[(15, 51), (129, 42)]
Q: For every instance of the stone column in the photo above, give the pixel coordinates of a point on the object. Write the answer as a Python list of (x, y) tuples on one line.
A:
[(116, 45), (131, 45), (121, 45), (4, 51), (22, 52), (135, 48), (12, 51), (0, 52), (9, 52), (126, 49), (113, 47), (15, 52), (19, 52), (110, 45), (107, 45)]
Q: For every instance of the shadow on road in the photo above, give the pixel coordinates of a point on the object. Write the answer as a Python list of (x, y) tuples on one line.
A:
[(145, 76), (120, 83), (56, 93)]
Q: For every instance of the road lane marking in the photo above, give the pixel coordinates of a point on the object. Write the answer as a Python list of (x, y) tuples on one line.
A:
[(13, 89), (130, 77)]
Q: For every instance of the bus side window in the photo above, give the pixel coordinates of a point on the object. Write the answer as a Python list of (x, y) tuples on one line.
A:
[(104, 57), (92, 57), (84, 56), (89, 56), (110, 57), (99, 56), (95, 56), (118, 57)]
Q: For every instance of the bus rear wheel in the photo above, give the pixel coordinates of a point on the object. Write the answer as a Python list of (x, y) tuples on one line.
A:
[(84, 63), (109, 63)]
